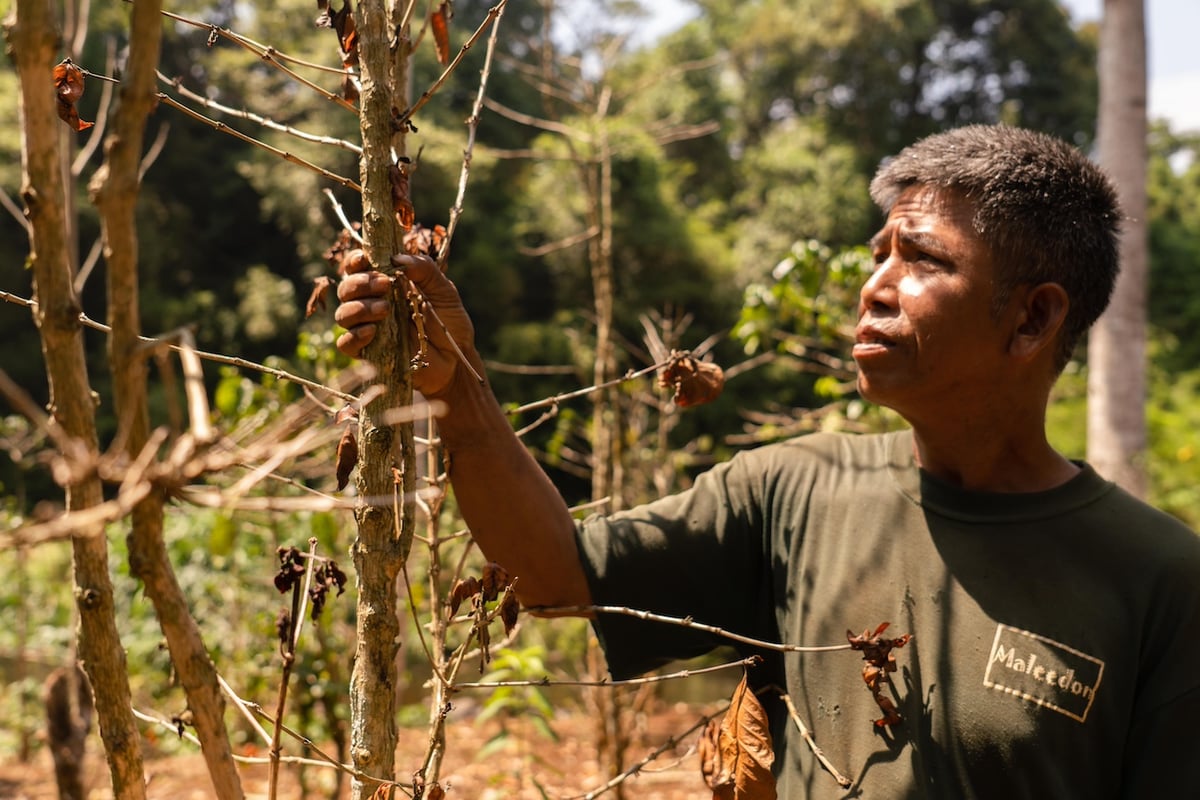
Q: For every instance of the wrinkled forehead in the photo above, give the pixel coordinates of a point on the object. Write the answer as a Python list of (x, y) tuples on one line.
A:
[(930, 205)]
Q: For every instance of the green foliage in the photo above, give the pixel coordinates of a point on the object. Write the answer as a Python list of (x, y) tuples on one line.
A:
[(1174, 211), (506, 703)]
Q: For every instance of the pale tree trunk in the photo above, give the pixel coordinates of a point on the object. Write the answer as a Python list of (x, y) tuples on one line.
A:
[(115, 190), (33, 39), (605, 410), (1117, 344), (382, 544)]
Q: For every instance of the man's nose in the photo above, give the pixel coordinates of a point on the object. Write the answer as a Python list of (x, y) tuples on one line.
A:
[(880, 289)]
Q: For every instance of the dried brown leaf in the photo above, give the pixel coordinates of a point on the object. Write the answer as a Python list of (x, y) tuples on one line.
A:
[(463, 589), (695, 382), (877, 652), (347, 456), (710, 754), (401, 204), (422, 241), (350, 90), (385, 791), (495, 580), (68, 85), (510, 609), (316, 300), (439, 22), (741, 766)]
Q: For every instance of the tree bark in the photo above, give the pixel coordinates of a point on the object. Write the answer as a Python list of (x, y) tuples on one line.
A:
[(33, 39), (115, 190), (1116, 439), (382, 544)]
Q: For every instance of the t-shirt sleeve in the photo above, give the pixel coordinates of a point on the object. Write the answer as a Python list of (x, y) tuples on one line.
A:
[(1161, 751), (698, 555), (1163, 743)]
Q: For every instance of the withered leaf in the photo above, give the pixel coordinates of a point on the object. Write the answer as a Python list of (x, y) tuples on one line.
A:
[(316, 300), (347, 456), (385, 791), (345, 414), (422, 241), (435, 792), (695, 382), (68, 85), (342, 23), (401, 204), (463, 589), (495, 580), (350, 90), (739, 766), (710, 753), (344, 244), (291, 568), (877, 652), (283, 627), (439, 20), (510, 610)]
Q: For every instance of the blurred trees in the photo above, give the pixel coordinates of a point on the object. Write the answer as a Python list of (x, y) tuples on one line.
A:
[(741, 237), (807, 97)]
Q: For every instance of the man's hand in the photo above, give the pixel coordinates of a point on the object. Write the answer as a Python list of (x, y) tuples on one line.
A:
[(364, 299)]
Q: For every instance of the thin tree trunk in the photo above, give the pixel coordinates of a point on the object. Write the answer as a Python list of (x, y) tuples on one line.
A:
[(115, 191), (33, 39), (1117, 344), (383, 541)]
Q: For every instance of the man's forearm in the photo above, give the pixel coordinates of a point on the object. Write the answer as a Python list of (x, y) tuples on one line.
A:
[(514, 512)]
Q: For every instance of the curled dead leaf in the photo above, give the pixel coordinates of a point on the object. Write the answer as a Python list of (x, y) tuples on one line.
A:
[(350, 90), (439, 20), (385, 791), (347, 456), (68, 86), (401, 204), (463, 589), (316, 300), (877, 652), (510, 610), (695, 382), (342, 23), (736, 757), (495, 580), (422, 241)]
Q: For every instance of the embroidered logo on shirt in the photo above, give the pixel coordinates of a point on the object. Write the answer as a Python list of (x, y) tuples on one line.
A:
[(1044, 672)]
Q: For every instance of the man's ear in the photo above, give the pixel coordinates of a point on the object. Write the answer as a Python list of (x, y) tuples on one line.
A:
[(1039, 319)]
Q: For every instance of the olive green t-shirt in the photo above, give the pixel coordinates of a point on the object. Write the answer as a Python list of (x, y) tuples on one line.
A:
[(1056, 635)]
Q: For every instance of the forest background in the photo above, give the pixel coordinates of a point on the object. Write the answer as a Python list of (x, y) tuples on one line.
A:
[(740, 149)]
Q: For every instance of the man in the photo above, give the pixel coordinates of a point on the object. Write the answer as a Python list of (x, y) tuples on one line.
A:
[(1055, 619)]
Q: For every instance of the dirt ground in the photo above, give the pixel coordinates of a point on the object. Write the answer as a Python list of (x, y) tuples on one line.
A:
[(527, 760)]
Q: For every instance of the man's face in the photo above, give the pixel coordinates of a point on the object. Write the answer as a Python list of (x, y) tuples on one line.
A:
[(927, 341)]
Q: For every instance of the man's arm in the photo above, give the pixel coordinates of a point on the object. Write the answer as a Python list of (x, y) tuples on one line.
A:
[(514, 512)]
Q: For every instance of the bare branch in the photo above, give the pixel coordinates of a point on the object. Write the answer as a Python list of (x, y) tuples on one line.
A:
[(220, 358), (749, 661), (492, 15), (472, 126), (286, 156), (688, 622), (177, 85), (537, 122), (272, 57), (562, 244), (14, 211)]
